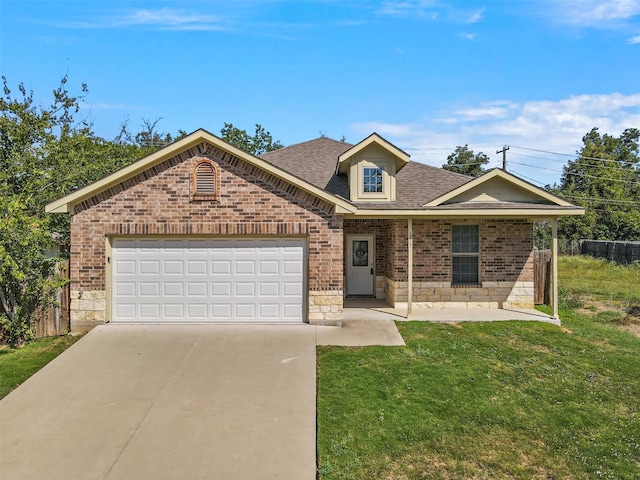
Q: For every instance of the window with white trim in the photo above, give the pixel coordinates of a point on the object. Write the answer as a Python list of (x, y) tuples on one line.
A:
[(465, 254), (372, 180)]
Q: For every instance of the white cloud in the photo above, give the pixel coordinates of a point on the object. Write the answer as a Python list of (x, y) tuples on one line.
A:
[(634, 40), (405, 8), (551, 125), (595, 13), (469, 36), (476, 17), (162, 19)]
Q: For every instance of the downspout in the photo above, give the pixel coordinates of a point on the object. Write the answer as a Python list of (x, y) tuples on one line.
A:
[(409, 269), (554, 267)]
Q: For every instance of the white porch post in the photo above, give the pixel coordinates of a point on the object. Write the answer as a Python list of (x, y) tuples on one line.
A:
[(409, 268), (554, 267)]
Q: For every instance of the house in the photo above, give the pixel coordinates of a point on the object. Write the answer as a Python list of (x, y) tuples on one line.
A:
[(201, 231)]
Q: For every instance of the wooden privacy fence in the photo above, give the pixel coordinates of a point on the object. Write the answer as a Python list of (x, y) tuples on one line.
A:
[(619, 252), (54, 319), (542, 277)]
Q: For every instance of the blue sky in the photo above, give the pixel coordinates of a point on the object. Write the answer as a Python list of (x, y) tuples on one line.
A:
[(427, 75)]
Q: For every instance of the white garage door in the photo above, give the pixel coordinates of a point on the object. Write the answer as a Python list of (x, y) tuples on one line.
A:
[(203, 280)]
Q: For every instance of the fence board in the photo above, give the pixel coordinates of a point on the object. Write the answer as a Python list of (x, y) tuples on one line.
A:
[(541, 276), (54, 319)]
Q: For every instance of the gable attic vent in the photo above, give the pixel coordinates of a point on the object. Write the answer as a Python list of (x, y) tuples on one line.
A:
[(205, 179)]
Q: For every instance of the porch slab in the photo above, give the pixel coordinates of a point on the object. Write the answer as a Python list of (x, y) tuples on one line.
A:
[(374, 309)]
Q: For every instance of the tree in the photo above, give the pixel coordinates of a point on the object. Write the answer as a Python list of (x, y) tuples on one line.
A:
[(605, 180), (46, 153), (28, 141), (464, 161), (260, 142), (149, 139)]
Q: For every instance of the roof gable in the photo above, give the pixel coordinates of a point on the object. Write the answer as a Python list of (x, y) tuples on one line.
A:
[(66, 203), (401, 157), (498, 186)]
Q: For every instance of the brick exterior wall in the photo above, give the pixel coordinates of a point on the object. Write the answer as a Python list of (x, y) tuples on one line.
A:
[(506, 262), (251, 202)]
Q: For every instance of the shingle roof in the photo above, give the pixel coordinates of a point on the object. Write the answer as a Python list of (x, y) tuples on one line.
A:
[(315, 161)]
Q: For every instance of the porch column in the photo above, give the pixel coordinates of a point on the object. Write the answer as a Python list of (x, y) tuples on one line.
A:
[(409, 268), (554, 267)]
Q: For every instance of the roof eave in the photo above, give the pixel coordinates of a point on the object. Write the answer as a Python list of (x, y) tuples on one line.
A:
[(66, 204), (471, 213)]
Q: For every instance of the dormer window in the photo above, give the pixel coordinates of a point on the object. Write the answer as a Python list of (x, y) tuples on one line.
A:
[(371, 167), (372, 180), (205, 180)]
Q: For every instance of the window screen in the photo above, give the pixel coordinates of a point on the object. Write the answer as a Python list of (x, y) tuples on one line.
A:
[(465, 258)]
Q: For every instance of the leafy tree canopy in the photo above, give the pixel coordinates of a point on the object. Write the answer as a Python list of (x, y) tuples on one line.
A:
[(605, 180), (260, 142), (46, 153), (466, 162)]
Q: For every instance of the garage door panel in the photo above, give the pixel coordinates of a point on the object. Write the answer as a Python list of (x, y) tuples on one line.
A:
[(197, 311), (291, 289), (221, 311), (173, 311), (245, 289), (195, 280), (244, 267), (291, 311), (173, 289), (173, 267), (149, 289), (269, 311), (245, 311), (149, 310), (126, 289), (269, 289), (221, 289), (124, 267), (149, 267), (196, 289), (268, 267), (197, 267), (125, 311), (221, 267)]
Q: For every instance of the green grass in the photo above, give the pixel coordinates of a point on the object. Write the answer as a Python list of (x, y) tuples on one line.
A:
[(599, 280), (16, 365), (489, 400)]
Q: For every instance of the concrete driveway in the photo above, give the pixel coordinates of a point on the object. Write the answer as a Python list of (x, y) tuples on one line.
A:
[(168, 402)]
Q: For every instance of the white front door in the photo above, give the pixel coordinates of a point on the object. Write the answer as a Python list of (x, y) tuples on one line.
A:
[(360, 265)]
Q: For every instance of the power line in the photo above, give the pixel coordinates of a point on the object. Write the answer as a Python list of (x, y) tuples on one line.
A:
[(583, 175), (564, 161), (570, 155), (604, 200), (576, 197)]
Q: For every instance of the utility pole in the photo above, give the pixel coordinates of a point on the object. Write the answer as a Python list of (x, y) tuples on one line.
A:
[(504, 156)]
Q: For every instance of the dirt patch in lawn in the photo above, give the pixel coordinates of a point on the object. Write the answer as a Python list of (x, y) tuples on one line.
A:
[(624, 317)]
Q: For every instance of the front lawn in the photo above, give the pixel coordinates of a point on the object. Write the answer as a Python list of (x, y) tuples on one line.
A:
[(512, 400), (483, 400), (16, 365)]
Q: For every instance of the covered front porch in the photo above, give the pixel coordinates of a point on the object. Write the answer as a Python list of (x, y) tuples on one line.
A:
[(379, 309), (408, 263)]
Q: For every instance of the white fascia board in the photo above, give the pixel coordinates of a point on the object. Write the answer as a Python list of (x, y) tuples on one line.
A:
[(66, 203), (468, 213), (505, 176)]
